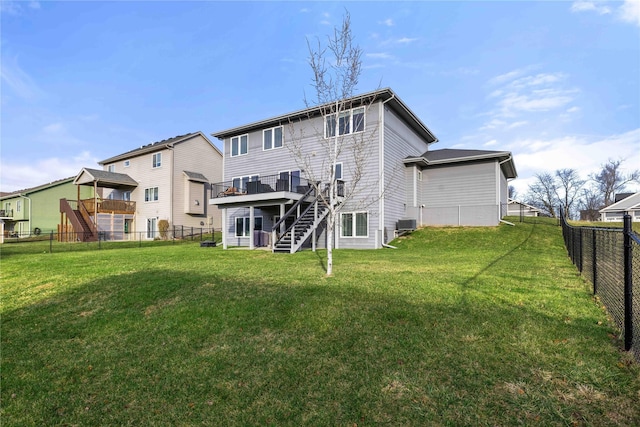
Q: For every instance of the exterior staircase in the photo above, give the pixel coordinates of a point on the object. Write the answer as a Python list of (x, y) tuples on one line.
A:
[(302, 228), (86, 232)]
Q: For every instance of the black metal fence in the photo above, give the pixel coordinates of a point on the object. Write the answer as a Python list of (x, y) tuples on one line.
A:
[(72, 241), (609, 258)]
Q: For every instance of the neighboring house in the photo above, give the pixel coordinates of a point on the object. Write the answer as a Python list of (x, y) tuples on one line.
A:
[(516, 208), (36, 210), (628, 205), (404, 184), (167, 180)]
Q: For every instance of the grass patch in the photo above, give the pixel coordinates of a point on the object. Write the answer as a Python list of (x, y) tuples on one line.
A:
[(459, 326)]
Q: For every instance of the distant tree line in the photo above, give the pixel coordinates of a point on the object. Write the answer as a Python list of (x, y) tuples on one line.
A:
[(578, 198)]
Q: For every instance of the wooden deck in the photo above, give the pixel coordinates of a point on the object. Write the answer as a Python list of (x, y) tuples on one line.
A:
[(110, 206)]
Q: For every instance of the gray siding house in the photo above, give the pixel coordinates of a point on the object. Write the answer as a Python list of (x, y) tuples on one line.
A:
[(270, 197)]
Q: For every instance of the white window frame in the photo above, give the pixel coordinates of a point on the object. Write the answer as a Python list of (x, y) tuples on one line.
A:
[(237, 140), (111, 168), (151, 194), (18, 205), (127, 163), (152, 228), (273, 138), (419, 175), (349, 125), (354, 223), (341, 169), (126, 195), (157, 160), (246, 225), (240, 182)]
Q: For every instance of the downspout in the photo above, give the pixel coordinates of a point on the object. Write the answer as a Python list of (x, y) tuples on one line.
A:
[(381, 185), (171, 178), (508, 159), (29, 199)]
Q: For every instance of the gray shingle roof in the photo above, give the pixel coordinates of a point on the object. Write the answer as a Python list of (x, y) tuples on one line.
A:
[(108, 179), (628, 203), (195, 176), (450, 155), (386, 95), (149, 148)]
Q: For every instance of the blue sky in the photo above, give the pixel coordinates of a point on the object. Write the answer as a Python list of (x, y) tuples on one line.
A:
[(556, 83)]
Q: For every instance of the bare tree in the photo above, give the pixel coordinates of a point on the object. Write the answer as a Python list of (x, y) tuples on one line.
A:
[(568, 187), (336, 69), (512, 192), (543, 193), (590, 203), (611, 180)]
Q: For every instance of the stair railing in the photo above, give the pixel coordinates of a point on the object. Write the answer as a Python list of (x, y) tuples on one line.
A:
[(87, 218), (291, 210), (292, 228)]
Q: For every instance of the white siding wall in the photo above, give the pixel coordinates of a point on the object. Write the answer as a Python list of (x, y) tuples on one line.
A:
[(196, 155), (142, 171), (310, 135), (399, 143), (464, 194)]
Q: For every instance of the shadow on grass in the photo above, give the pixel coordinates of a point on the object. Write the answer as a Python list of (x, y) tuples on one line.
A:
[(167, 347)]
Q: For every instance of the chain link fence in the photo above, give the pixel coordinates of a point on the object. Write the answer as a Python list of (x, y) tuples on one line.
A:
[(609, 259), (50, 242)]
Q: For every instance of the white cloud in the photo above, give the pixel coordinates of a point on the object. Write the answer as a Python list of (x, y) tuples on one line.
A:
[(406, 40), (54, 128), (630, 12), (590, 6), (380, 55), (518, 93), (573, 110), (586, 154), (17, 80), (17, 175), (388, 22), (491, 143)]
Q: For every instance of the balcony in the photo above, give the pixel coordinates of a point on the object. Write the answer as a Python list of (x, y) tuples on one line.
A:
[(259, 190), (6, 213), (109, 206)]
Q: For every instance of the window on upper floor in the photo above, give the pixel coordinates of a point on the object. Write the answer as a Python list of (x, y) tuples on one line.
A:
[(151, 194), (126, 195), (345, 123), (272, 138), (354, 224), (240, 183), (111, 168), (127, 163), (157, 160), (18, 205), (239, 145)]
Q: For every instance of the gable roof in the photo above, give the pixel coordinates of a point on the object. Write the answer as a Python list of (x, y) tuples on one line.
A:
[(37, 188), (105, 179), (157, 146), (621, 196), (628, 203), (386, 95), (448, 156)]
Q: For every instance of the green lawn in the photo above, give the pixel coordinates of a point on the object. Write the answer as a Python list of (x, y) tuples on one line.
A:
[(458, 326)]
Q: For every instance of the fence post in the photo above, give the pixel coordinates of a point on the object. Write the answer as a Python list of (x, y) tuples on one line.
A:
[(628, 285), (51, 243), (594, 260)]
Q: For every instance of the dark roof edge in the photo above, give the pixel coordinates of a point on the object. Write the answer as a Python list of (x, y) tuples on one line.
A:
[(484, 156), (157, 146), (386, 95), (36, 188)]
